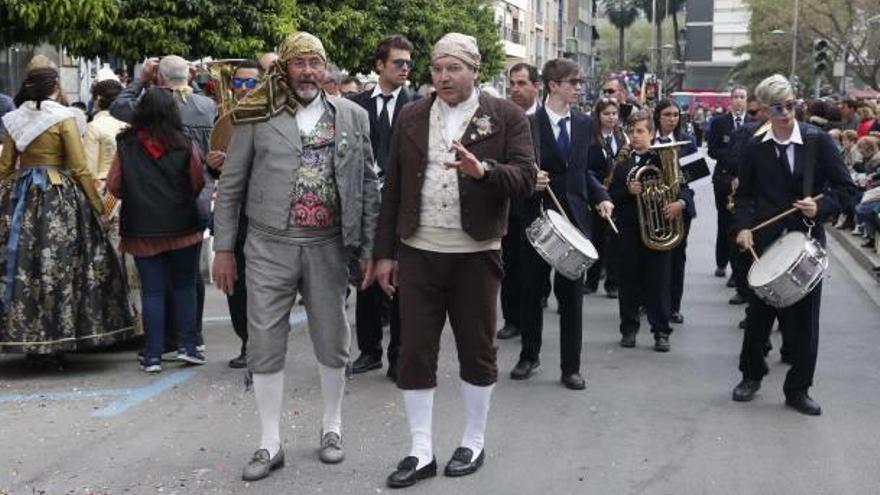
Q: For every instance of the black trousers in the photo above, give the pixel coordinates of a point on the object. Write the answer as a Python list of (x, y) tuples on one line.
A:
[(511, 287), (679, 260), (371, 307), (237, 302), (604, 239), (800, 331), (723, 252), (569, 294), (645, 275)]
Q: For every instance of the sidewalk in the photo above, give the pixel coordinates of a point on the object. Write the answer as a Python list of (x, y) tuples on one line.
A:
[(869, 259)]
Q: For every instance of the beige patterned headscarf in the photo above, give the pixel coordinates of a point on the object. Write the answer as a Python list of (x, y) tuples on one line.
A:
[(460, 46), (273, 96)]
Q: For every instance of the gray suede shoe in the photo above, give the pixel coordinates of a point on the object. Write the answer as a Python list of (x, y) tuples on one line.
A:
[(260, 465), (331, 448)]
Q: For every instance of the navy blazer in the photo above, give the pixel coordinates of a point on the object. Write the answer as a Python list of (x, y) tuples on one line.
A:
[(721, 149), (572, 182), (685, 150), (766, 188), (365, 100)]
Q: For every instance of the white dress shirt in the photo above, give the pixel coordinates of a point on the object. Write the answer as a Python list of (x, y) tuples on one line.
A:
[(554, 121), (795, 138), (392, 103), (308, 115)]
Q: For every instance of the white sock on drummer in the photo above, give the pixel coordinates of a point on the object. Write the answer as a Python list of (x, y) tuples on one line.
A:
[(476, 413), (419, 413), (269, 390), (332, 388)]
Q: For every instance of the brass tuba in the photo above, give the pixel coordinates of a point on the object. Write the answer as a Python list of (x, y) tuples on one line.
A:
[(660, 187), (221, 72)]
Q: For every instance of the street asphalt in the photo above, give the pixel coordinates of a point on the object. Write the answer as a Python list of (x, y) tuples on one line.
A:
[(648, 423)]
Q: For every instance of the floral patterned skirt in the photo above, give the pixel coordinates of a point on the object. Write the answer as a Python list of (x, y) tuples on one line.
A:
[(62, 285)]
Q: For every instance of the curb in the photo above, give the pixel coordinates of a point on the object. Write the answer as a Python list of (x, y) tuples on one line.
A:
[(868, 260)]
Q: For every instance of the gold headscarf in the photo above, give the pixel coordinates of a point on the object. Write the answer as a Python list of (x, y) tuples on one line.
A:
[(273, 95)]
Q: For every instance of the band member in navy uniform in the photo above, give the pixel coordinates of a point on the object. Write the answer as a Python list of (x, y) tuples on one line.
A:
[(724, 176), (668, 122), (608, 140), (787, 166), (562, 136), (644, 273)]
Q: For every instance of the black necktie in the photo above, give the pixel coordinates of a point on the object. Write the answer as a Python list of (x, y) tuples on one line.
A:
[(563, 141), (384, 119), (609, 144), (737, 121), (782, 149), (665, 140)]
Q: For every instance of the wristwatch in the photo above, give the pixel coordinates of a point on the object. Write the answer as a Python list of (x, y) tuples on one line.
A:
[(488, 166)]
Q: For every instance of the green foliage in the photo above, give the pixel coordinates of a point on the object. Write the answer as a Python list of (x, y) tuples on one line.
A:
[(351, 29), (55, 21)]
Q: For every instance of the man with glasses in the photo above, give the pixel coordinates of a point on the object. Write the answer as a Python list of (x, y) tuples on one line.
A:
[(301, 167), (244, 79), (349, 86), (454, 161), (787, 166), (562, 135), (615, 87), (393, 62)]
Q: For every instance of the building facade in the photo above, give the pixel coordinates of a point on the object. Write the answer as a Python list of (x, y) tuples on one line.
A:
[(715, 29)]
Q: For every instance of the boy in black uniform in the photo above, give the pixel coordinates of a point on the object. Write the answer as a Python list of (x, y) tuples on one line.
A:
[(644, 274)]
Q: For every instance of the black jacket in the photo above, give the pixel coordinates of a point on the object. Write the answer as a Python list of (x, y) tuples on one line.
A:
[(369, 104), (625, 205), (572, 182), (766, 188)]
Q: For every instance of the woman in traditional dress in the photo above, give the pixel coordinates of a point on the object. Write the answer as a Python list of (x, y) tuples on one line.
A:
[(61, 283)]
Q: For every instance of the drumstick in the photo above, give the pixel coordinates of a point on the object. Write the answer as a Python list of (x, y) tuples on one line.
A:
[(553, 197), (783, 214), (754, 254), (613, 227)]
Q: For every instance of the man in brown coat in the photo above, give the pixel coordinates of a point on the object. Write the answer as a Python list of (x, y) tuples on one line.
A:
[(455, 160)]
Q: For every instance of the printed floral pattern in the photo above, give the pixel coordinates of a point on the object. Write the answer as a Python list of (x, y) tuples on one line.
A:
[(69, 290), (315, 196)]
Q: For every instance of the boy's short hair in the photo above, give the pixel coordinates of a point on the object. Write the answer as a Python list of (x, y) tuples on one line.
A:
[(640, 116)]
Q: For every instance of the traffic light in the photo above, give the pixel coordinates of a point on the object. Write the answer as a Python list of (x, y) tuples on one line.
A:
[(821, 60)]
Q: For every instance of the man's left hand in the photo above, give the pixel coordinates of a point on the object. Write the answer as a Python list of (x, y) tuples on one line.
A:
[(807, 206), (368, 273), (215, 159), (467, 162)]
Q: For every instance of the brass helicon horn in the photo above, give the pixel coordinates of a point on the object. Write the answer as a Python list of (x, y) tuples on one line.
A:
[(660, 187), (221, 72)]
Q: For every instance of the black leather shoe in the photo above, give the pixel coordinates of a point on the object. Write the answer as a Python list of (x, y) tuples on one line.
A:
[(508, 331), (366, 362), (628, 340), (574, 381), (238, 362), (461, 463), (746, 390), (406, 473), (524, 369), (802, 403), (720, 272), (731, 282), (737, 299), (590, 289), (661, 342), (676, 317), (611, 293)]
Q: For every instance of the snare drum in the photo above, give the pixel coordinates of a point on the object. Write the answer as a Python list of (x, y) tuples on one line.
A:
[(788, 270), (561, 245)]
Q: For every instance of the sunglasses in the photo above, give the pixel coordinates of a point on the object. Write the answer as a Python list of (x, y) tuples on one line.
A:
[(609, 91), (400, 63), (249, 83), (752, 113), (777, 109)]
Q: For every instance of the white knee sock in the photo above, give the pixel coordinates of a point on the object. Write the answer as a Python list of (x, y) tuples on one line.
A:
[(419, 412), (476, 412), (269, 390), (332, 388)]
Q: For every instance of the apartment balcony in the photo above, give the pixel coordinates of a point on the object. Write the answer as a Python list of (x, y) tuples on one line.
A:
[(514, 42)]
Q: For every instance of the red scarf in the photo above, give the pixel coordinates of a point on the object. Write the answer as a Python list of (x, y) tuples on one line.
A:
[(154, 147)]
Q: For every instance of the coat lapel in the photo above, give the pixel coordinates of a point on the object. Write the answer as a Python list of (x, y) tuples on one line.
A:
[(285, 124), (418, 124), (482, 125), (548, 141)]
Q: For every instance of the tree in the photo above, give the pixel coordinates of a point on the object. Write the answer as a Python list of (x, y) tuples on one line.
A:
[(191, 28), (842, 22), (62, 22), (622, 14), (351, 29)]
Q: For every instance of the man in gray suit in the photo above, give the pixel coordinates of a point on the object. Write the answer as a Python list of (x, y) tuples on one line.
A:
[(301, 165)]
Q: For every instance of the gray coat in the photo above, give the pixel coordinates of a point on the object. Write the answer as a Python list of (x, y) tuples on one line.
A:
[(257, 174)]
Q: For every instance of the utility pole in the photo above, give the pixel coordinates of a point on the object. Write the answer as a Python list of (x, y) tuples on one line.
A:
[(794, 38)]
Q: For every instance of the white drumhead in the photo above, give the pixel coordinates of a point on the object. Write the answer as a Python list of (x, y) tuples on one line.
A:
[(777, 259), (572, 234)]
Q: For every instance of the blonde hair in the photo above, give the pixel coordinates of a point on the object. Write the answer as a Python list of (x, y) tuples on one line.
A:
[(865, 112), (868, 146), (774, 89)]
